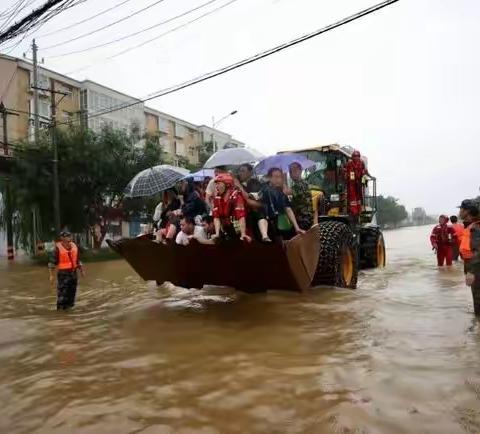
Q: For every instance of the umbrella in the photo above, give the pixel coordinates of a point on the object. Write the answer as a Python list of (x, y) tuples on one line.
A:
[(201, 174), (282, 161), (232, 157), (154, 180)]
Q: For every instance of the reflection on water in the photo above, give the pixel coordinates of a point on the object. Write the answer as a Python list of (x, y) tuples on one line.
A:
[(399, 355)]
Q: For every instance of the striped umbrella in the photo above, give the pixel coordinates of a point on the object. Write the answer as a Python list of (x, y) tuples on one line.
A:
[(155, 180)]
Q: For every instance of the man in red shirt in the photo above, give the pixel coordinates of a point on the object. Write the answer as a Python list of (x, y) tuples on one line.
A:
[(229, 209), (442, 238)]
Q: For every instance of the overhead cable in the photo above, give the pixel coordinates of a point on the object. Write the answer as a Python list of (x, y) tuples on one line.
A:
[(84, 35), (161, 23)]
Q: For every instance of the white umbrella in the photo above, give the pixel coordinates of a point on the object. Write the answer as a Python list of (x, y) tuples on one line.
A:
[(154, 180), (233, 157)]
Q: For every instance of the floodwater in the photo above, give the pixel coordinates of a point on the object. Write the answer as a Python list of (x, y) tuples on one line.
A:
[(399, 355)]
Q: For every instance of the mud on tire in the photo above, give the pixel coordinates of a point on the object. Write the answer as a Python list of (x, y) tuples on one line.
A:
[(338, 261)]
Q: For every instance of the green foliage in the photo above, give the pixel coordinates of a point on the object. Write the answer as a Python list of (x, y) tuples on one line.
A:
[(93, 172), (389, 211), (205, 152), (185, 163)]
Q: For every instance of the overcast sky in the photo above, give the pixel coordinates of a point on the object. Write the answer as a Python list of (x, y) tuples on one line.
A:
[(401, 85)]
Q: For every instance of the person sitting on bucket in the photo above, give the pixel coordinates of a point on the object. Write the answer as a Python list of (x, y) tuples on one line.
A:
[(229, 213), (65, 258), (278, 209), (188, 229), (208, 231)]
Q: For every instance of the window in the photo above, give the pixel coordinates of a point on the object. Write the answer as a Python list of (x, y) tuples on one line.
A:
[(180, 131), (163, 125), (66, 116), (180, 149)]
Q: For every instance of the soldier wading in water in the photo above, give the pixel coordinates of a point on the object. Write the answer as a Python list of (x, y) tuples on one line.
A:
[(66, 259)]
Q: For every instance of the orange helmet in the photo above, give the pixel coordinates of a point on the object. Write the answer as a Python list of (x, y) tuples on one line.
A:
[(226, 178)]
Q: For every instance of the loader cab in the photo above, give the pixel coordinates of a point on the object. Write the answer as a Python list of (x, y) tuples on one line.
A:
[(328, 177)]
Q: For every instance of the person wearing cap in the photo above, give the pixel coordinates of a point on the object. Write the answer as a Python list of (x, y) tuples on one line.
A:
[(65, 258), (355, 172), (470, 248), (442, 238), (301, 201), (229, 213)]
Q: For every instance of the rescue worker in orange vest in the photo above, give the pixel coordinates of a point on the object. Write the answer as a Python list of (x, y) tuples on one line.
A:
[(470, 248), (458, 228), (66, 259)]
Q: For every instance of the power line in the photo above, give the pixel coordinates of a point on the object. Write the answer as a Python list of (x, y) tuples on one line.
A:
[(45, 12), (156, 37), (84, 35), (251, 59), (84, 20), (161, 23), (246, 61)]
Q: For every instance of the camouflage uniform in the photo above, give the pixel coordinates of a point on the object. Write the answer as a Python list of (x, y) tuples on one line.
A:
[(67, 281), (302, 204), (473, 265), (66, 289)]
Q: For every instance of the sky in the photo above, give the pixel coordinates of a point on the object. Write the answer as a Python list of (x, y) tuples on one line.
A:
[(401, 85)]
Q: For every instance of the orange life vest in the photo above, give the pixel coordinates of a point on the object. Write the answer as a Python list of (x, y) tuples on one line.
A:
[(67, 259), (465, 244)]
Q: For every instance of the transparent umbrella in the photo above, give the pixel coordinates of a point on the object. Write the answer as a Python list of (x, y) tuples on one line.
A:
[(233, 157)]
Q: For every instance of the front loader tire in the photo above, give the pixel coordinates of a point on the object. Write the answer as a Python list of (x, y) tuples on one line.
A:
[(338, 260)]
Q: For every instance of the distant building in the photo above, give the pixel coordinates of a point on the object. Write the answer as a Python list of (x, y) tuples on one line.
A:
[(98, 102), (178, 138), (91, 105), (220, 139)]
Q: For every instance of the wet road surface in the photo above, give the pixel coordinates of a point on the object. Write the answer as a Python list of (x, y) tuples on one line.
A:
[(399, 355)]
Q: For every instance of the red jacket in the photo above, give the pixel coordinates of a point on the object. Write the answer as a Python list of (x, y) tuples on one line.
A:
[(443, 235), (230, 205)]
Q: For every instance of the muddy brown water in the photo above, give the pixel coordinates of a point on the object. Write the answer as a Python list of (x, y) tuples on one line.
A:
[(399, 355)]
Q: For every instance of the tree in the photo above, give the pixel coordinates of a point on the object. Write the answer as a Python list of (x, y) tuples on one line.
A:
[(205, 152), (389, 211), (93, 172)]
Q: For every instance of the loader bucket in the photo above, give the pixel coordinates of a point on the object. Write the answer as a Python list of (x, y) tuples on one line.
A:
[(251, 267)]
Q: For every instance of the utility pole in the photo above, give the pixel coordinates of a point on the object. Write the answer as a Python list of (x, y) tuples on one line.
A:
[(56, 186), (8, 193), (36, 119), (53, 138)]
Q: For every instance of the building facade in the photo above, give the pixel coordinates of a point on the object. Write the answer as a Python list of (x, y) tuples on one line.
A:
[(95, 106), (16, 92)]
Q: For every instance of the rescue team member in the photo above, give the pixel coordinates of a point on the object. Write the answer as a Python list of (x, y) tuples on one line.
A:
[(470, 248), (442, 238), (66, 259), (458, 228), (229, 213), (355, 172)]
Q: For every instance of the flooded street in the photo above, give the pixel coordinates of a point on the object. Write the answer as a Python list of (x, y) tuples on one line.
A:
[(399, 355)]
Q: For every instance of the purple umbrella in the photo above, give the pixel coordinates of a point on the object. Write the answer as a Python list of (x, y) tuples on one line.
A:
[(282, 161)]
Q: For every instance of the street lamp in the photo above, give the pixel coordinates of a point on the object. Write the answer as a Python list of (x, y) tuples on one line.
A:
[(215, 125)]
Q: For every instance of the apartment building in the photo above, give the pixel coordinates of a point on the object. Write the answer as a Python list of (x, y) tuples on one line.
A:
[(220, 139), (98, 102), (16, 81), (92, 105), (178, 138)]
